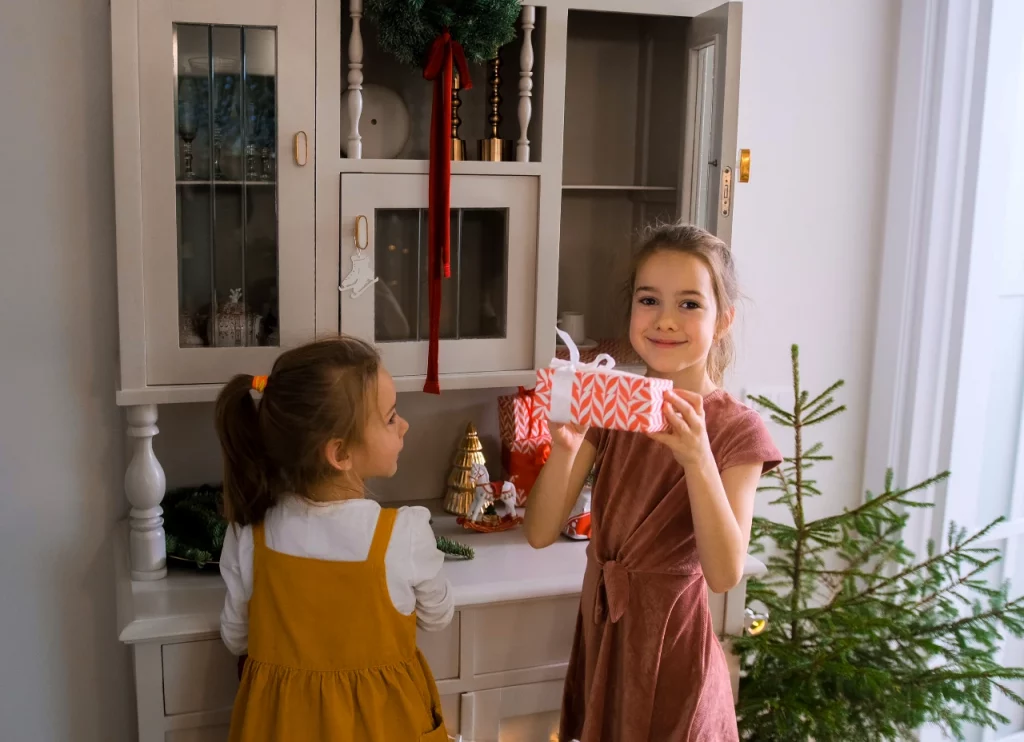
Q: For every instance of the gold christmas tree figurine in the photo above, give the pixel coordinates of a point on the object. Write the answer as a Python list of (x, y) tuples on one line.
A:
[(461, 487)]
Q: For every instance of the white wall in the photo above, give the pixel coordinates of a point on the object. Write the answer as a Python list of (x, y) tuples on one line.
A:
[(63, 675), (814, 109)]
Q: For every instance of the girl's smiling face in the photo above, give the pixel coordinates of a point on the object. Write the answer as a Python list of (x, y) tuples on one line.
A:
[(674, 319)]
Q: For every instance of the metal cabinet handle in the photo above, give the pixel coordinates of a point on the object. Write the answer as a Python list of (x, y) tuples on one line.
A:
[(301, 149)]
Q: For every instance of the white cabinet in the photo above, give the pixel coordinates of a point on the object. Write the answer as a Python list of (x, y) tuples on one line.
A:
[(224, 211), (518, 713), (488, 303)]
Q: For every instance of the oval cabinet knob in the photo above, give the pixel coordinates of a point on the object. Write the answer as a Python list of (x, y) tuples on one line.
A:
[(301, 149)]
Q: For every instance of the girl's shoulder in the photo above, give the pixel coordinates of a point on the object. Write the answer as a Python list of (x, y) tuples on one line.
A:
[(737, 433)]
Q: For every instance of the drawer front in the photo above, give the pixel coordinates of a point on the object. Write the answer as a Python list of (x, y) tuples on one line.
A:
[(441, 648), (198, 676), (217, 733), (515, 636)]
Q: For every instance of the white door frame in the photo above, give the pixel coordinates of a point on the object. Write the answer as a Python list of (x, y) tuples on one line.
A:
[(933, 174), (936, 322)]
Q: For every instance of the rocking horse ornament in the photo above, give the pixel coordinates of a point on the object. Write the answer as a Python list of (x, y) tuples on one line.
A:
[(501, 495)]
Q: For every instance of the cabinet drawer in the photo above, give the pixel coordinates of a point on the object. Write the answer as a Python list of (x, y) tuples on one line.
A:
[(520, 635), (198, 676), (441, 648), (218, 733)]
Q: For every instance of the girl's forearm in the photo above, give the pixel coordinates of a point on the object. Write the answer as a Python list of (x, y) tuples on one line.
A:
[(547, 499), (721, 543)]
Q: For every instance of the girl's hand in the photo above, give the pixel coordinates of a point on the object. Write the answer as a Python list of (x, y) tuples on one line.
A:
[(567, 436), (687, 436)]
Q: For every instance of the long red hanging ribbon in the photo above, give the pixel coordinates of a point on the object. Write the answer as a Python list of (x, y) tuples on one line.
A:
[(443, 53)]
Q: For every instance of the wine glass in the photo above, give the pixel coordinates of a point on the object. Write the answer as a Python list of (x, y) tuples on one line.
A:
[(187, 128)]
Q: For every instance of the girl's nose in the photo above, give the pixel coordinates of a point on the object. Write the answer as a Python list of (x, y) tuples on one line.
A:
[(667, 320)]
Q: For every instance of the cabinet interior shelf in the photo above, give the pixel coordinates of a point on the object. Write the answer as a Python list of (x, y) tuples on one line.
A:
[(227, 182), (580, 187)]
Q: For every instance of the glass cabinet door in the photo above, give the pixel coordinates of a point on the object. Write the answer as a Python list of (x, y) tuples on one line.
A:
[(227, 114), (712, 100), (487, 305)]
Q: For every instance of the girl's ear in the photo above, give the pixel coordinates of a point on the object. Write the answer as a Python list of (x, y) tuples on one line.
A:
[(725, 323), (336, 455)]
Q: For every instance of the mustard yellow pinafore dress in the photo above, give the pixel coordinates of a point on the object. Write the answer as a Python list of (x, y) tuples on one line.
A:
[(330, 658)]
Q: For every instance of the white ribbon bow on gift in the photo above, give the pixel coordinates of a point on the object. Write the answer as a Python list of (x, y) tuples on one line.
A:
[(564, 378)]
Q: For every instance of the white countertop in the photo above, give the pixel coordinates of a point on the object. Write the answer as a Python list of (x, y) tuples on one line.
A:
[(187, 603), (505, 568)]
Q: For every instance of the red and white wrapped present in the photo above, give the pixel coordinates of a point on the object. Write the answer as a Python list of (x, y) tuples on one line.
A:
[(516, 421), (598, 395), (525, 440), (522, 461), (577, 527)]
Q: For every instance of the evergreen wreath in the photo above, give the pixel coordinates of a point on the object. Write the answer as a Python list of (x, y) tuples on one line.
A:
[(406, 28)]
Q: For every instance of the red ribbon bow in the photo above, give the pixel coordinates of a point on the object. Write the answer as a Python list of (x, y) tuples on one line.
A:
[(444, 52)]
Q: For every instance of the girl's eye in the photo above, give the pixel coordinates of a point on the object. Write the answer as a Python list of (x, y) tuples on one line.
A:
[(394, 419), (647, 301), (690, 305)]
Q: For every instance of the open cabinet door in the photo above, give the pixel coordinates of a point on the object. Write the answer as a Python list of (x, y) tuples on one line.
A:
[(712, 105)]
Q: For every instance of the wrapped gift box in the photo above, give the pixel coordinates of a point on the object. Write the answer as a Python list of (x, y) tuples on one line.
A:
[(516, 421), (524, 460), (597, 395)]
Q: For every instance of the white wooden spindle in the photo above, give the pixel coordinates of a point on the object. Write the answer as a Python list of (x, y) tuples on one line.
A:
[(145, 484), (528, 17), (355, 80)]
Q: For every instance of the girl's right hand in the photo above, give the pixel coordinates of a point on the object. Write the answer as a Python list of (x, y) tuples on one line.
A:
[(568, 436)]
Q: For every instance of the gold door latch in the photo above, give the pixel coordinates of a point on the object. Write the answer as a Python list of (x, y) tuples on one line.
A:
[(744, 166)]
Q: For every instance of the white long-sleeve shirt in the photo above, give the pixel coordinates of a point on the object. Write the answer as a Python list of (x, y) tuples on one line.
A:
[(342, 532)]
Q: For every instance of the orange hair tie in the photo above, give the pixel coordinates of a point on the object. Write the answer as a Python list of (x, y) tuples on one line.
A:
[(259, 383)]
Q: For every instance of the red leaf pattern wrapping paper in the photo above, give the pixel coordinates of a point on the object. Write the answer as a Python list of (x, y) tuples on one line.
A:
[(516, 421)]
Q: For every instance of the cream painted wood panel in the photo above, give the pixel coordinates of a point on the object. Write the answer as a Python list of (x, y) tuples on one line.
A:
[(366, 194), (451, 705), (198, 676), (534, 633), (217, 733), (518, 713), (294, 24), (441, 648)]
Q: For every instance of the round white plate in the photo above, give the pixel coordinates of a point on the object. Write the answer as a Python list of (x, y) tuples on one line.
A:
[(383, 125)]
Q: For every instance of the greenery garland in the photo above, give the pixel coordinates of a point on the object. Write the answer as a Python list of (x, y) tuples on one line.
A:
[(406, 28), (454, 549), (194, 525)]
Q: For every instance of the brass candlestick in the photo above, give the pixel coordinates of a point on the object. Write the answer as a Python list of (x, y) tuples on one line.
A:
[(494, 148), (458, 146)]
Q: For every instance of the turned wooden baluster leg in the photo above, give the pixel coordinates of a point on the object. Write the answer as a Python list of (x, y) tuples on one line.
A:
[(145, 484), (528, 17), (355, 81)]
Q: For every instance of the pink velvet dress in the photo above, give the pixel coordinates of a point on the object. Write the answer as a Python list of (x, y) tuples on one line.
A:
[(646, 665)]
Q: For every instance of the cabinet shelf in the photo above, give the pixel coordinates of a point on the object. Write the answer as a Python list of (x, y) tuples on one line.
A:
[(460, 167), (649, 189), (253, 183)]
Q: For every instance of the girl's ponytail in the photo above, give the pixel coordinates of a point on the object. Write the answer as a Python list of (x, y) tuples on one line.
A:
[(248, 491)]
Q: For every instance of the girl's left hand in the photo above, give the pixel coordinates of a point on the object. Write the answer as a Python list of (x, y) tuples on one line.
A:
[(687, 436)]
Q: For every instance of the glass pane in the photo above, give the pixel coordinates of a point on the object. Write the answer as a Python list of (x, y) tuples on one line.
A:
[(473, 299), (449, 286), (703, 123), (396, 260), (226, 110), (1003, 411), (482, 273)]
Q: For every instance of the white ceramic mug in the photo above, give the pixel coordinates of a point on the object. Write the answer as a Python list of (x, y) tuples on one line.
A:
[(574, 326)]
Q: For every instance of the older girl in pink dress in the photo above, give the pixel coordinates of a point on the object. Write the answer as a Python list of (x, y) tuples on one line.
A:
[(671, 513)]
